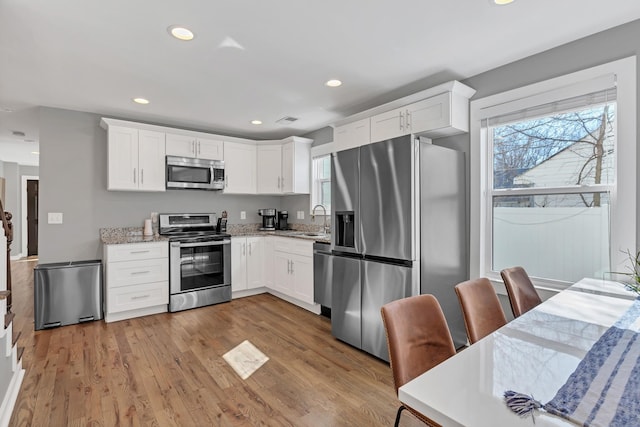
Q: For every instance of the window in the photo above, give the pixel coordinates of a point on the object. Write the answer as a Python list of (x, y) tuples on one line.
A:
[(557, 177), (321, 177)]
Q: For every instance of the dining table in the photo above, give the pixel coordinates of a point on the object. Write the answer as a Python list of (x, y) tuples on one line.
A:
[(534, 354)]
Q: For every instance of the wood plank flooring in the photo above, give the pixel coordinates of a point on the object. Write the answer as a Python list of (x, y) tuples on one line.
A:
[(167, 369)]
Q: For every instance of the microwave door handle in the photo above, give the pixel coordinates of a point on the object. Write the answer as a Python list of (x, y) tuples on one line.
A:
[(213, 177), (200, 244)]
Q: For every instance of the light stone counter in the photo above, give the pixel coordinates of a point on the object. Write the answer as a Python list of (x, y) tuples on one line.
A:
[(121, 236)]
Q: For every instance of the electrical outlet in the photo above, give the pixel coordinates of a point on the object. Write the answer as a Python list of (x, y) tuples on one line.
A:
[(300, 214), (243, 215), (55, 218)]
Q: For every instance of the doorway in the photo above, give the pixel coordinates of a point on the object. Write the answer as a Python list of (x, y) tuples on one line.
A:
[(32, 217), (29, 214)]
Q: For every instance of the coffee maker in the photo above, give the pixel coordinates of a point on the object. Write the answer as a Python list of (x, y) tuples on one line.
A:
[(283, 220), (268, 219)]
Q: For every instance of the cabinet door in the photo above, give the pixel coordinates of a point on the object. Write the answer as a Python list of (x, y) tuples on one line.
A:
[(268, 261), (289, 167), (388, 125), (181, 145), (122, 158), (269, 169), (430, 114), (352, 134), (282, 273), (151, 160), (302, 274), (238, 264), (255, 264), (240, 168), (211, 149)]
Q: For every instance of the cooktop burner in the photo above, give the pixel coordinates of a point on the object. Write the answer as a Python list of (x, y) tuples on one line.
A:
[(200, 227)]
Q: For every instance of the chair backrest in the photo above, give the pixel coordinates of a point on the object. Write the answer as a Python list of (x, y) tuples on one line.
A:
[(481, 308), (522, 294), (418, 336)]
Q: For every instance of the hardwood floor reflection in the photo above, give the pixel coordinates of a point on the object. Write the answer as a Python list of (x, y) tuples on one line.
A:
[(167, 369)]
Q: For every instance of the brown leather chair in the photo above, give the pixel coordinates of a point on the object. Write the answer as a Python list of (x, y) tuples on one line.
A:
[(418, 338), (481, 308), (522, 294)]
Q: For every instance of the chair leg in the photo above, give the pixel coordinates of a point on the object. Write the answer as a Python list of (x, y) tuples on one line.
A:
[(400, 409)]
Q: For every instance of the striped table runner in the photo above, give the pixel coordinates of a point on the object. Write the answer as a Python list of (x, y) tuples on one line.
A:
[(604, 390)]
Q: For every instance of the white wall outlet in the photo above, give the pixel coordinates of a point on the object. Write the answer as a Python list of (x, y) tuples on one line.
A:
[(300, 214), (243, 215), (55, 218)]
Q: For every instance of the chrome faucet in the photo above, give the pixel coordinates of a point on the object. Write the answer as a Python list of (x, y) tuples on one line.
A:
[(313, 217)]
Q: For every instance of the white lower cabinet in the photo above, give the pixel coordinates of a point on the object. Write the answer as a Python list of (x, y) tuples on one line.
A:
[(136, 280), (247, 263), (293, 269)]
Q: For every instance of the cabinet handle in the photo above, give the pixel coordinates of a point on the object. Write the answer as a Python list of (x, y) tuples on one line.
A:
[(141, 176), (134, 175), (408, 124), (401, 120), (292, 267), (198, 148), (278, 182), (140, 272), (141, 296), (288, 266), (139, 252), (250, 244), (193, 147)]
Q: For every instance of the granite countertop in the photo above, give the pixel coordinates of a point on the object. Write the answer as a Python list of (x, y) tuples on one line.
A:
[(302, 231), (121, 236)]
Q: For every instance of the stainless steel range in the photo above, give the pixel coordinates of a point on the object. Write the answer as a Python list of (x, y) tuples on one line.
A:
[(199, 260)]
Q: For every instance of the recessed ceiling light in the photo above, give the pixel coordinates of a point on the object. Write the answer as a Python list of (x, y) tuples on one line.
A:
[(333, 83), (35, 152), (181, 33), (141, 101), (256, 122), (502, 2)]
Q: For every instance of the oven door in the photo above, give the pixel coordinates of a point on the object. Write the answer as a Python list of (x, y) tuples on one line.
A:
[(199, 265)]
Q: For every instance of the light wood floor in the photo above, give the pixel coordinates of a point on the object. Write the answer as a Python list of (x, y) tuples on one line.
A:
[(167, 369)]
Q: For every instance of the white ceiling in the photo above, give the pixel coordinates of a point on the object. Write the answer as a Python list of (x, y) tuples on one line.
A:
[(94, 56)]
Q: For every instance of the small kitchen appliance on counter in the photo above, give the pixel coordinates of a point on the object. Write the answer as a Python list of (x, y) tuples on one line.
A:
[(222, 223), (283, 220), (199, 260), (268, 219)]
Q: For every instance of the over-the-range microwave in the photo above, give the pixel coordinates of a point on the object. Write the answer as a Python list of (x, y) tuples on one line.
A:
[(195, 174)]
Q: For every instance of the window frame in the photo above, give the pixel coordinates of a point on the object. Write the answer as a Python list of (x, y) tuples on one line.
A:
[(322, 150), (622, 73)]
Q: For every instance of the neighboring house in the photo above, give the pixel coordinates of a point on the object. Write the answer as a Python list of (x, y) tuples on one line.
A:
[(574, 165)]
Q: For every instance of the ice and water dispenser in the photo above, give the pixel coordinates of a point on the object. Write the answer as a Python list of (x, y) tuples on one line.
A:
[(345, 229)]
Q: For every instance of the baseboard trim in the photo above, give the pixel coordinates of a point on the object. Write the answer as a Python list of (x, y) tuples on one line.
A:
[(11, 397)]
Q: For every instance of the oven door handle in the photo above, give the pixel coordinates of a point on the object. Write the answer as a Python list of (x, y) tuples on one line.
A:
[(199, 244)]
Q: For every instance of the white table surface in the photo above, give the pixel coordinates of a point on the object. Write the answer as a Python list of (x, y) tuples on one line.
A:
[(533, 354)]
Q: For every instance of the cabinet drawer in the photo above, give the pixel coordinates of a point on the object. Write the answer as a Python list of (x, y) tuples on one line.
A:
[(134, 272), (294, 246), (134, 251), (137, 296)]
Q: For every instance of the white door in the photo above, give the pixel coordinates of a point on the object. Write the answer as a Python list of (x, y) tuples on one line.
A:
[(288, 167), (269, 169), (255, 262), (123, 158), (240, 168), (181, 145), (282, 281), (151, 160), (238, 264), (388, 125), (430, 114), (352, 134), (211, 149), (302, 272)]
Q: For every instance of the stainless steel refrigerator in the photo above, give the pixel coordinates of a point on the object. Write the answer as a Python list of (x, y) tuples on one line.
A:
[(398, 230)]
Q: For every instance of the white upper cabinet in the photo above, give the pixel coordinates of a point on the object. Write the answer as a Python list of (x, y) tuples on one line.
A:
[(352, 135), (239, 168), (269, 169), (433, 113), (191, 146), (135, 159), (284, 167)]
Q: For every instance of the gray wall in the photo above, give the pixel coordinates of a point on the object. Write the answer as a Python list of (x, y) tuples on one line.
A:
[(73, 180)]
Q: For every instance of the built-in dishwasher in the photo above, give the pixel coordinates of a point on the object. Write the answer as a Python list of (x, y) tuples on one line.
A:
[(322, 272)]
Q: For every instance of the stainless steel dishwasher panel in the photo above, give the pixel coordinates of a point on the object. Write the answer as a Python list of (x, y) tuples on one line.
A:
[(322, 274), (345, 300), (381, 283), (67, 293)]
